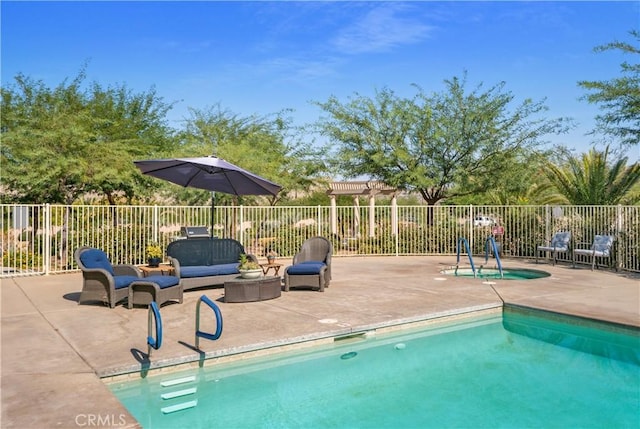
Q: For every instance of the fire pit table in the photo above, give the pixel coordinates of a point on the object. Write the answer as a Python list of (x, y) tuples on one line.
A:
[(248, 290)]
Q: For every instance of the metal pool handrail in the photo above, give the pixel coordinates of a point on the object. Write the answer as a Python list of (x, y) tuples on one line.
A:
[(492, 242), (154, 315), (218, 314), (466, 245)]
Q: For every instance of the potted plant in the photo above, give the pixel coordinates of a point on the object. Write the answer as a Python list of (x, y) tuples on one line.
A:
[(154, 254), (271, 257), (248, 268)]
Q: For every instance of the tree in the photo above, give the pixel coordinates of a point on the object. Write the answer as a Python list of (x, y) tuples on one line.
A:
[(619, 98), (268, 146), (592, 179), (58, 144), (443, 145)]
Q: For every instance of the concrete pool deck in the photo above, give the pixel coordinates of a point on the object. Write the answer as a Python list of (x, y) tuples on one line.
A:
[(54, 351)]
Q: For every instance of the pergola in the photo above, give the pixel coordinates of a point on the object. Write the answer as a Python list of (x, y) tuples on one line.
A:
[(358, 189)]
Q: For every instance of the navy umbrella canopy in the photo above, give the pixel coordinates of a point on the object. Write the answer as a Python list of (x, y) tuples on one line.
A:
[(210, 173)]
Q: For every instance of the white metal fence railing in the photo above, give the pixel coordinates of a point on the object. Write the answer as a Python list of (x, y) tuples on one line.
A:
[(41, 239)]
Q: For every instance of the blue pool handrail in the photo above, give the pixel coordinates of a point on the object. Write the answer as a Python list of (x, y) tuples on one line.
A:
[(466, 246), (218, 314), (491, 243), (154, 316)]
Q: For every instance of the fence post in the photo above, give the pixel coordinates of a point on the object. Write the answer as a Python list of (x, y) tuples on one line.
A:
[(241, 215), (47, 238), (319, 222), (616, 242), (156, 224), (547, 223)]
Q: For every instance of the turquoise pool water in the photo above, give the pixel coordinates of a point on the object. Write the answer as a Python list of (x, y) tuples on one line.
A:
[(521, 370), (491, 273)]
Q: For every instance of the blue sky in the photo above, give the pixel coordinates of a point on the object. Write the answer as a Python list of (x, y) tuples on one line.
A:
[(263, 57)]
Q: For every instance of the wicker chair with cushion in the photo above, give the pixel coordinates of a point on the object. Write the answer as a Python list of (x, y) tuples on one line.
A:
[(601, 248), (559, 244), (311, 265), (110, 283)]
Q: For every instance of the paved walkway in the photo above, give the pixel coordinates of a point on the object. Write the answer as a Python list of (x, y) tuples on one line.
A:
[(54, 351)]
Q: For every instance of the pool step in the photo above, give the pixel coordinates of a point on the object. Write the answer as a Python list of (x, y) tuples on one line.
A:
[(177, 381), (179, 393), (179, 407), (182, 390)]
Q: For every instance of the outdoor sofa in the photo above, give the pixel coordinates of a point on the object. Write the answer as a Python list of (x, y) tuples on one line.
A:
[(202, 262)]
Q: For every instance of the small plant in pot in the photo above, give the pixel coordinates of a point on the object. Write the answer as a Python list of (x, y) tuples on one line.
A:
[(154, 254), (249, 269), (271, 257)]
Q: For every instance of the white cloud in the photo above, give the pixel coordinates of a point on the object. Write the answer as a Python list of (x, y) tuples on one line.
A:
[(382, 29)]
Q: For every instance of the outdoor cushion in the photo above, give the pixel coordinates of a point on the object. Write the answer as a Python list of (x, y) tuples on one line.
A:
[(162, 281), (123, 281), (306, 268), (209, 270), (96, 258)]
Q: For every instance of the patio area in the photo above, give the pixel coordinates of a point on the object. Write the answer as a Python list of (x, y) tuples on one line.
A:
[(55, 352)]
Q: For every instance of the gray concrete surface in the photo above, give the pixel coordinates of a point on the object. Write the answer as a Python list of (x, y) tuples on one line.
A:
[(54, 352)]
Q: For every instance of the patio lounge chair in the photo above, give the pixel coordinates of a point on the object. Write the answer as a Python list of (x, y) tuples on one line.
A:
[(311, 265), (110, 283), (601, 248), (559, 244)]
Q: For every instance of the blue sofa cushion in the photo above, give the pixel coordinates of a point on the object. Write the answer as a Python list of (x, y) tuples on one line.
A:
[(124, 281), (209, 270), (163, 281), (96, 258), (306, 268)]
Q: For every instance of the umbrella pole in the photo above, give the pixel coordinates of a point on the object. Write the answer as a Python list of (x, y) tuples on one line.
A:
[(213, 208)]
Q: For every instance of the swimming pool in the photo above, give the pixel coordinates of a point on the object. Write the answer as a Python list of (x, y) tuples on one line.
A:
[(491, 273), (472, 373)]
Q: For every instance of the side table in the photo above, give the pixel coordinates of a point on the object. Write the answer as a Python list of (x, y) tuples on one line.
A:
[(249, 290), (266, 267), (162, 269)]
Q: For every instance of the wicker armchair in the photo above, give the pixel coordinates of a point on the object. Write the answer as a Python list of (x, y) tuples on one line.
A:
[(311, 265), (113, 283), (101, 280)]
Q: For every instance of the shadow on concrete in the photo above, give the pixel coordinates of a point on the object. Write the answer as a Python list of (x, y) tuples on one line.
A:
[(73, 296)]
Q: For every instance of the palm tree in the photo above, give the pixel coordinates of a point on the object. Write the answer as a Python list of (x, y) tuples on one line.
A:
[(592, 180)]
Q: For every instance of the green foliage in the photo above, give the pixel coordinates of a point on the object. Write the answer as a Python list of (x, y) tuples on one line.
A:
[(247, 264), (60, 143), (444, 145), (267, 146), (154, 250), (619, 98), (289, 240), (22, 259), (593, 179)]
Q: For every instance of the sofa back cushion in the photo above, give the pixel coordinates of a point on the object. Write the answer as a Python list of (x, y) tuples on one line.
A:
[(205, 251)]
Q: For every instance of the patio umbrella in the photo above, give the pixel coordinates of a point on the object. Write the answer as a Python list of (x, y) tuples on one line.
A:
[(210, 173)]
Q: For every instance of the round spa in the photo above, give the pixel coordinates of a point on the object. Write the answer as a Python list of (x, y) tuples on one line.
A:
[(493, 273)]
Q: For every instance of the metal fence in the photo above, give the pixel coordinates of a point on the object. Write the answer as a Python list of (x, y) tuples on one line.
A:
[(41, 239)]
